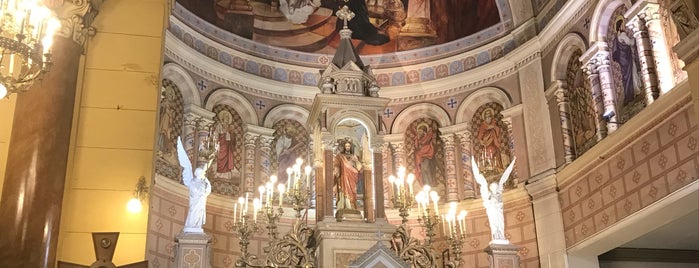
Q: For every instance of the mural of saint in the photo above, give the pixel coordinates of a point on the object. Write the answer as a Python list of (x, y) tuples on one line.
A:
[(624, 53), (489, 137), (166, 133), (290, 141), (424, 154), (226, 143)]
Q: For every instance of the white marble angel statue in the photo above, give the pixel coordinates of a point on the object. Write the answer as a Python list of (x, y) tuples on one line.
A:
[(199, 190), (492, 201)]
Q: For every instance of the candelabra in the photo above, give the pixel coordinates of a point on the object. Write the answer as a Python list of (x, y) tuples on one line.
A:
[(295, 248), (407, 247), (454, 229)]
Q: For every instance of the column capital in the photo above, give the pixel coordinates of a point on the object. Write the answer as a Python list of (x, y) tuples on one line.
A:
[(76, 17), (543, 186), (250, 139)]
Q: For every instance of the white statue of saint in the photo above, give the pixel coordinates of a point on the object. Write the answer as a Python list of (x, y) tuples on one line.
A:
[(492, 201), (199, 190)]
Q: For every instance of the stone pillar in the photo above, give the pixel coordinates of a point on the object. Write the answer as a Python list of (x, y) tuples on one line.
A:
[(379, 183), (503, 256), (369, 193), (604, 68), (537, 132), (561, 93), (468, 188), (450, 168), (650, 13), (593, 76), (192, 250), (645, 55), (385, 168), (549, 222), (329, 178), (197, 128), (30, 210), (265, 162), (248, 179), (509, 116)]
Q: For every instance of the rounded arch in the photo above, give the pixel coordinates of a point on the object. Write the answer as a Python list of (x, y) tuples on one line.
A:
[(356, 115), (430, 110), (477, 99), (600, 18), (231, 98), (570, 43), (183, 81), (286, 111)]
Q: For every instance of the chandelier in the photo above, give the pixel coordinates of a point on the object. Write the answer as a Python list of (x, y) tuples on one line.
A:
[(26, 36)]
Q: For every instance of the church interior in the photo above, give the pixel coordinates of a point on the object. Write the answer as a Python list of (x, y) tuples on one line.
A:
[(354, 133)]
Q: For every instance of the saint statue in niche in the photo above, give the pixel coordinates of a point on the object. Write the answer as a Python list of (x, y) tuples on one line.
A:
[(346, 168)]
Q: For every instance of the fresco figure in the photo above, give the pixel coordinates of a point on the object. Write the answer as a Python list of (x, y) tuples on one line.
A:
[(489, 134), (346, 167), (297, 11), (226, 143), (285, 148), (360, 25), (165, 131), (199, 190), (624, 53), (424, 154), (492, 201)]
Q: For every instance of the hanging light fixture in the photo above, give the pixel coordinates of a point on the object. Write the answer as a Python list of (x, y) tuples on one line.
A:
[(26, 36)]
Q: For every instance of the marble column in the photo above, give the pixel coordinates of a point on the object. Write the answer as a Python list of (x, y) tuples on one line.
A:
[(30, 208), (248, 179), (645, 56), (450, 168), (468, 190), (562, 101), (650, 13), (329, 180), (604, 69), (379, 177), (593, 77)]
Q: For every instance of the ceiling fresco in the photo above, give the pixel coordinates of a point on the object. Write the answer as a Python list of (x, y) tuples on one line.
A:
[(379, 26)]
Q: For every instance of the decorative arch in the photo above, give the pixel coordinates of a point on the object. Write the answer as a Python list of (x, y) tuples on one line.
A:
[(285, 111), (570, 43), (356, 115), (601, 18), (429, 110), (227, 96), (181, 78), (482, 96)]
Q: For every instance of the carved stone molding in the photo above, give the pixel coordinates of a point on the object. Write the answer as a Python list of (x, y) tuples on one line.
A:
[(76, 17)]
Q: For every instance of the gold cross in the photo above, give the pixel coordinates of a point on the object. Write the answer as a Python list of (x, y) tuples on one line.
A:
[(345, 14)]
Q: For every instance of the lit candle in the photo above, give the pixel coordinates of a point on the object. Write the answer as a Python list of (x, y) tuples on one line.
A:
[(308, 177), (289, 180), (411, 179), (235, 211), (435, 199), (241, 201), (281, 193), (255, 205), (261, 189)]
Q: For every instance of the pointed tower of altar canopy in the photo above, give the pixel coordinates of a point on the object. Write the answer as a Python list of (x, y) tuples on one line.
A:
[(347, 74)]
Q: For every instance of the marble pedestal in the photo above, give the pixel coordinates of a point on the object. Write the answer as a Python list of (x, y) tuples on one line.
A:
[(503, 255), (340, 243), (192, 250)]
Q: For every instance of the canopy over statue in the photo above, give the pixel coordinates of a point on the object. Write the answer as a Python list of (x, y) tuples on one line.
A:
[(492, 201), (199, 190)]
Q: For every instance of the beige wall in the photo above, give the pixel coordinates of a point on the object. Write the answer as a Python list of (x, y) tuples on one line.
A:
[(113, 135)]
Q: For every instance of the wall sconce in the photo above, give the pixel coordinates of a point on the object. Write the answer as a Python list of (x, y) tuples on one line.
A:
[(141, 192)]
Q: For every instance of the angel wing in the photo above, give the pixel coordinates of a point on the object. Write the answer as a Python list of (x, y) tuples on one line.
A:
[(506, 174), (479, 177), (187, 174)]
